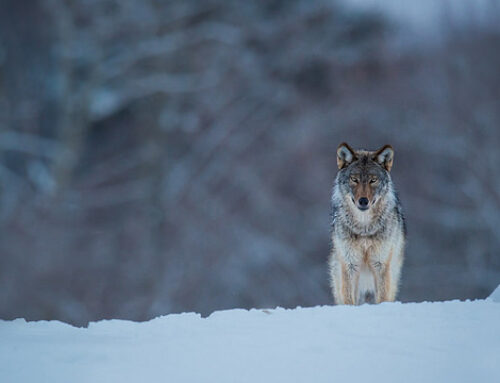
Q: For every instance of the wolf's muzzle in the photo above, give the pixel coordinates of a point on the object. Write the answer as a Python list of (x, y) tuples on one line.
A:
[(363, 203)]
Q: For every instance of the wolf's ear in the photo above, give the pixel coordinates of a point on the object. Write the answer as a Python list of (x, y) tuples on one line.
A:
[(345, 155), (384, 156)]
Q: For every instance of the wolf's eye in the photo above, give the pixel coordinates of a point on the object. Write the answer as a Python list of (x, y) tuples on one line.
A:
[(354, 179), (373, 180)]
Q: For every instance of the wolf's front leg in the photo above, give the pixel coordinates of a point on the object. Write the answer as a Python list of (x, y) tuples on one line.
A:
[(349, 281), (382, 275)]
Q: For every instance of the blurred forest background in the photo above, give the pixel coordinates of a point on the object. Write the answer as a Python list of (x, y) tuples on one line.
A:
[(169, 156)]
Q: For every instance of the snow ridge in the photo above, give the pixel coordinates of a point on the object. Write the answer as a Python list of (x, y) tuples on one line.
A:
[(413, 342)]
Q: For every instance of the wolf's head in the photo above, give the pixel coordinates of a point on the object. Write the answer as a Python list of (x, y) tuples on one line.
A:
[(363, 175)]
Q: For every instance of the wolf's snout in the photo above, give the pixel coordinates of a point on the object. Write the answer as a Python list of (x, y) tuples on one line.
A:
[(363, 203)]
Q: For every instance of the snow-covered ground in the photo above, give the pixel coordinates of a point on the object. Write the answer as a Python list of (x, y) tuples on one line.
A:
[(392, 342)]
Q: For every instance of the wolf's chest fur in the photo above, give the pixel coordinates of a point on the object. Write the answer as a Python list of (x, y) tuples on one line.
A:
[(367, 248), (359, 249)]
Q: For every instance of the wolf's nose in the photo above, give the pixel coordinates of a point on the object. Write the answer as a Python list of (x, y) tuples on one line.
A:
[(363, 202)]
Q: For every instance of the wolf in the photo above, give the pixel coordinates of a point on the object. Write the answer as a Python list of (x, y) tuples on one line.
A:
[(368, 228)]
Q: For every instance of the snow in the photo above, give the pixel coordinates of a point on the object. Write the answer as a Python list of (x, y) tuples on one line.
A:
[(413, 342), (495, 295)]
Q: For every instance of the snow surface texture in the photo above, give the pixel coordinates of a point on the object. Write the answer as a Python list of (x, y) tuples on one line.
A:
[(391, 342)]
